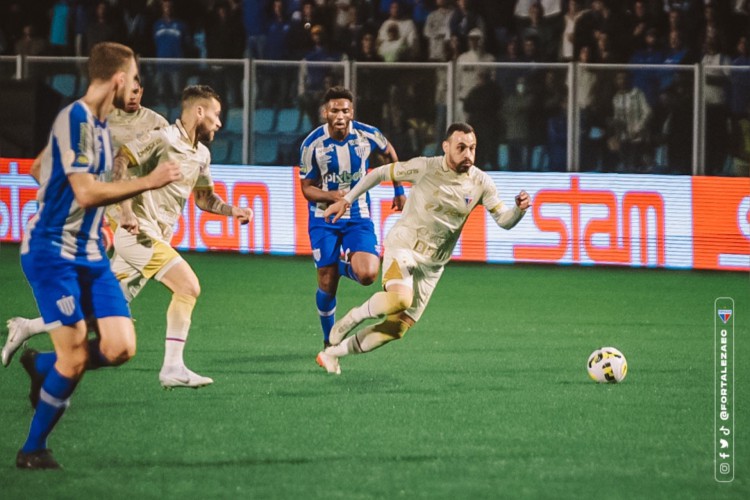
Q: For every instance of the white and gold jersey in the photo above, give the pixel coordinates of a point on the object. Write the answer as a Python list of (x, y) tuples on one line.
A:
[(439, 202), (159, 209), (125, 127)]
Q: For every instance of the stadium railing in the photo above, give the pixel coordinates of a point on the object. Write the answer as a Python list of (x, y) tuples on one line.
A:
[(537, 117)]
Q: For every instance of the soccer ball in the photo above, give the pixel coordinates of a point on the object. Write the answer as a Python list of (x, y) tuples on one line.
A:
[(607, 366)]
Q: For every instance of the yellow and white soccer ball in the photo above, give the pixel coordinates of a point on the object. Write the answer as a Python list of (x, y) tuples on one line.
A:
[(607, 366)]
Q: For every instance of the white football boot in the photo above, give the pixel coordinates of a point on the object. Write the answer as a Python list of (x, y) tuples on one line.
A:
[(18, 333), (180, 376), (329, 362)]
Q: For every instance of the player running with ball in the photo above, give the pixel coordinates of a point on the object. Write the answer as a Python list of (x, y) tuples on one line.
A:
[(445, 189)]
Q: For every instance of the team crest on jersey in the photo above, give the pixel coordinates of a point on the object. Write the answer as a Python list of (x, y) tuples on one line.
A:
[(362, 149), (468, 200), (67, 305)]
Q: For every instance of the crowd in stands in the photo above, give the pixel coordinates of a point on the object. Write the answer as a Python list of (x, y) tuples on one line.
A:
[(628, 119)]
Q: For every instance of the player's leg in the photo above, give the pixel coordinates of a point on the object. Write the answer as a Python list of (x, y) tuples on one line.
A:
[(396, 297), (185, 287), (54, 394), (360, 247), (325, 240), (140, 258)]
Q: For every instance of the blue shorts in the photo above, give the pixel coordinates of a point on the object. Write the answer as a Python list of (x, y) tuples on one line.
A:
[(328, 241), (68, 291)]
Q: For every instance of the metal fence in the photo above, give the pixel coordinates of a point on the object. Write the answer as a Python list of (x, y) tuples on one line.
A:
[(528, 117)]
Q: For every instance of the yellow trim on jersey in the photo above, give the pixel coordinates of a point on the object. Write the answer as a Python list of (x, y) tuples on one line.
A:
[(496, 208), (132, 162)]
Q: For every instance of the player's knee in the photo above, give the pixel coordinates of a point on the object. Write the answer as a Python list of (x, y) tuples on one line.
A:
[(368, 277), (401, 300), (117, 353)]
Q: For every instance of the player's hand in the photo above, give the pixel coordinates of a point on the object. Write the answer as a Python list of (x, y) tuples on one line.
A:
[(243, 215), (129, 222), (399, 202), (164, 173), (336, 210), (523, 201)]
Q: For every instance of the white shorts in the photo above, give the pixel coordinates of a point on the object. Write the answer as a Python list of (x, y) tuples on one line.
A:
[(408, 268), (138, 258)]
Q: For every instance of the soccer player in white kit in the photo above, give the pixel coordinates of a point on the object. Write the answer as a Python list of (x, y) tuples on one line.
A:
[(445, 189), (143, 237)]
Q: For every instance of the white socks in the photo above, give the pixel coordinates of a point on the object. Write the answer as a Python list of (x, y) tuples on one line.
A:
[(178, 325)]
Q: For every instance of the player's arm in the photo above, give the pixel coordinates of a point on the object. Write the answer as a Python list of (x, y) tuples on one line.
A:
[(207, 200), (313, 193), (399, 198), (123, 161), (89, 192), (36, 166), (504, 216)]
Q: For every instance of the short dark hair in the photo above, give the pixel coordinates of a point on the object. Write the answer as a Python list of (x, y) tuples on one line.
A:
[(107, 58), (338, 92), (194, 92), (458, 127)]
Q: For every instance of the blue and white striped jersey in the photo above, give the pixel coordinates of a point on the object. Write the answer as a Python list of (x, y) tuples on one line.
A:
[(78, 143), (340, 164)]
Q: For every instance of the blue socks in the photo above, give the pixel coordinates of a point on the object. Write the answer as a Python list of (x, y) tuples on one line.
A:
[(53, 400), (44, 362), (327, 312)]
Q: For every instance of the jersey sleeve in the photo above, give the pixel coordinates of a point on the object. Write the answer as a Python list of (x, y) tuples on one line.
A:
[(308, 163), (378, 140), (75, 139), (504, 216), (146, 148), (410, 171), (205, 181)]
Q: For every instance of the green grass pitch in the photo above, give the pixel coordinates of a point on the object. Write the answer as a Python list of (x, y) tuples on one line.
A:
[(487, 397)]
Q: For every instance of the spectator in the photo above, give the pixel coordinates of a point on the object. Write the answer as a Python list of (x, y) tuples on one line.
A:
[(715, 97), (630, 126), (557, 137), (567, 43), (135, 17), (300, 36), (407, 32), (371, 93), (482, 107), (515, 119), (315, 80), (59, 33), (677, 54), (740, 94), (646, 79), (642, 22), (393, 48), (465, 19), (102, 28), (254, 18), (677, 100), (466, 70), (171, 40), (545, 30), (437, 30), (30, 44), (225, 39), (551, 7)]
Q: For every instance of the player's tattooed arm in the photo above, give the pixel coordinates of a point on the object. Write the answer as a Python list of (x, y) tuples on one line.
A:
[(209, 201)]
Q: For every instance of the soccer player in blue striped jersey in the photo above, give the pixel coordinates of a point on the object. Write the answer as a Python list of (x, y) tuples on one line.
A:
[(62, 254), (334, 157)]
